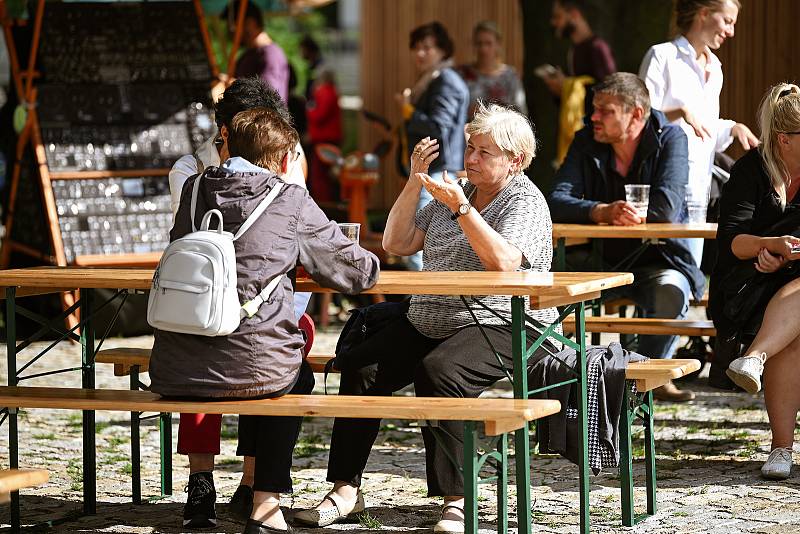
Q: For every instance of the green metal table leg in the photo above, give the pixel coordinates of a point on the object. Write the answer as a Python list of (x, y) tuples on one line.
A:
[(502, 485), (471, 468), (597, 260), (13, 430), (88, 382), (165, 431), (627, 417), (583, 459), (136, 456), (522, 448), (650, 453), (561, 254)]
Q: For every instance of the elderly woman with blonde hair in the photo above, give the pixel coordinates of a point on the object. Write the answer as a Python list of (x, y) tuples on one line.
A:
[(758, 228), (495, 221)]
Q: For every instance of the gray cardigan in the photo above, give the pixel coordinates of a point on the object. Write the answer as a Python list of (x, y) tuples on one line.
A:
[(263, 356)]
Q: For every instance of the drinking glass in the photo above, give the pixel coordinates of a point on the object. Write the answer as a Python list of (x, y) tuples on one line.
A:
[(639, 196)]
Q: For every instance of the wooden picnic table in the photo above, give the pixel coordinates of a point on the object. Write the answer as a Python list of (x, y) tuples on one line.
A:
[(649, 233), (639, 231), (537, 290)]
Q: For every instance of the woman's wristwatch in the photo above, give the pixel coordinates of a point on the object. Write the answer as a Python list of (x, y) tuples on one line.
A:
[(463, 209)]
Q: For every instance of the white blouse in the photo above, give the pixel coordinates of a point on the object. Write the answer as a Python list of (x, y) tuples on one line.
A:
[(675, 79)]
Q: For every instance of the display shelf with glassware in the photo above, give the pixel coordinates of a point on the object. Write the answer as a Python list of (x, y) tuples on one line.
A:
[(108, 112)]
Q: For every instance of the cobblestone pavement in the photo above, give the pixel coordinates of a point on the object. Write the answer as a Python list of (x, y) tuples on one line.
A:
[(709, 455)]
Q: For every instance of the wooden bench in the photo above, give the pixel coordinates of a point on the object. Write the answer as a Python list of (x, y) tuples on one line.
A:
[(644, 326), (646, 375), (613, 306), (15, 479), (499, 417)]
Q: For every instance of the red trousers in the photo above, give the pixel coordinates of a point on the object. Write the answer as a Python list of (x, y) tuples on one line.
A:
[(199, 433)]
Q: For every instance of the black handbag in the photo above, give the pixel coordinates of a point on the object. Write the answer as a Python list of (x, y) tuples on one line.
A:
[(362, 324)]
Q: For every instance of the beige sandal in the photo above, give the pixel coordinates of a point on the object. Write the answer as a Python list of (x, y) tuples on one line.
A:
[(450, 526), (322, 518)]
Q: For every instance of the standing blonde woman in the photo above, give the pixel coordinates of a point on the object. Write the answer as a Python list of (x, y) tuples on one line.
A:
[(762, 191), (684, 78)]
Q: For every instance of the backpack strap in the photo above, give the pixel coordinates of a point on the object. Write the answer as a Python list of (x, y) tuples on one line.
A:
[(263, 205), (195, 190), (250, 308)]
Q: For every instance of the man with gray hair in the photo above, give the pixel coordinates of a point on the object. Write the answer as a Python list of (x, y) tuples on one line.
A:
[(628, 143)]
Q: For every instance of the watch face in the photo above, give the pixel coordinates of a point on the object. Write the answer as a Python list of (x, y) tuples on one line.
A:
[(463, 209)]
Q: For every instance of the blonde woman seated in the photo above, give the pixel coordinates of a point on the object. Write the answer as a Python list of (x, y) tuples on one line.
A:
[(763, 190), (497, 221)]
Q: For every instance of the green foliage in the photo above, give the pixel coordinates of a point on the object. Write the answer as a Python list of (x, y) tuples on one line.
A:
[(367, 521)]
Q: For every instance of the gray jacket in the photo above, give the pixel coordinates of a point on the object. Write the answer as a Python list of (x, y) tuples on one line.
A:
[(262, 357)]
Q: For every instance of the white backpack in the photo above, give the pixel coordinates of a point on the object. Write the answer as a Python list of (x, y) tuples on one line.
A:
[(194, 286)]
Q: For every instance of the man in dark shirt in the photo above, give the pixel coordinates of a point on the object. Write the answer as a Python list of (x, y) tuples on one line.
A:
[(263, 57), (589, 55), (627, 143)]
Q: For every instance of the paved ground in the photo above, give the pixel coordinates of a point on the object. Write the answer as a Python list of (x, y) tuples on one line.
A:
[(709, 450)]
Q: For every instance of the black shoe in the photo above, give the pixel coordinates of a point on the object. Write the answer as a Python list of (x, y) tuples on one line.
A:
[(241, 505), (257, 527), (199, 510)]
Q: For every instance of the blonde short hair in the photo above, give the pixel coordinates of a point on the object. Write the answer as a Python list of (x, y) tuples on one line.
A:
[(510, 130)]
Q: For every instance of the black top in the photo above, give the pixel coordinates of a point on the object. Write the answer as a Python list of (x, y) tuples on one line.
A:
[(748, 205)]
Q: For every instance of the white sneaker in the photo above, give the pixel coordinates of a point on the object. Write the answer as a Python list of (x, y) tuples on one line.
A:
[(746, 372), (779, 464)]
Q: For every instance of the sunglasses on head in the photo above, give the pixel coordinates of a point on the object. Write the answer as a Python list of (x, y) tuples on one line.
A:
[(783, 93)]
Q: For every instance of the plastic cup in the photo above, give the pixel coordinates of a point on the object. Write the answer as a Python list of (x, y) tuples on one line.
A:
[(697, 209), (351, 230), (639, 196)]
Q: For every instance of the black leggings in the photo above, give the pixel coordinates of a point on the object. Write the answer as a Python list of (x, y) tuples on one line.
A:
[(458, 366), (271, 440)]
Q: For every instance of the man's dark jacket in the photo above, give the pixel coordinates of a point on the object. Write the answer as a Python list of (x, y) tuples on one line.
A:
[(661, 160)]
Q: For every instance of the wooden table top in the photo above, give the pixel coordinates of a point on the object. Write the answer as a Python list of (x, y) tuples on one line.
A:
[(639, 231), (543, 288)]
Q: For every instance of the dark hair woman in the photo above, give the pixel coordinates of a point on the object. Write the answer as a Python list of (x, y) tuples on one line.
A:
[(435, 107)]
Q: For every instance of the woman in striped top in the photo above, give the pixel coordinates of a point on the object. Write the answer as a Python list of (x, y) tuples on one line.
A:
[(497, 221)]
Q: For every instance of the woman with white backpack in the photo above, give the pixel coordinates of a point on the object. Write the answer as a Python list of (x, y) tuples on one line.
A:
[(263, 356), (198, 434)]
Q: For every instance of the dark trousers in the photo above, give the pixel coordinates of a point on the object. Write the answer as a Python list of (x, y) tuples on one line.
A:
[(462, 365), (272, 439)]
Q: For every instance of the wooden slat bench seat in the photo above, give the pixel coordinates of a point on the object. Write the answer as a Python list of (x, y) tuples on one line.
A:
[(647, 376), (499, 417), (644, 326), (15, 479), (653, 373), (612, 306)]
